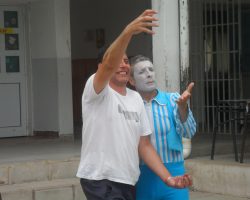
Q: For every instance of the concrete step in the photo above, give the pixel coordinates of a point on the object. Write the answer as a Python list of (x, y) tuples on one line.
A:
[(60, 189), (49, 178), (220, 176), (38, 170), (40, 179)]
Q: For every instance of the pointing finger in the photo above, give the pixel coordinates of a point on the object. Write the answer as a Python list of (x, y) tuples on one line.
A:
[(190, 87)]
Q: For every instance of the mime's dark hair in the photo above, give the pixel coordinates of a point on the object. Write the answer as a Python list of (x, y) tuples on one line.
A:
[(135, 59)]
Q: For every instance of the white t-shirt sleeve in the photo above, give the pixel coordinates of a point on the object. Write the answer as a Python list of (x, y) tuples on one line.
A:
[(145, 125), (89, 93)]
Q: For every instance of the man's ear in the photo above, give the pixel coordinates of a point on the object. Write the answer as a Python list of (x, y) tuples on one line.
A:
[(99, 65)]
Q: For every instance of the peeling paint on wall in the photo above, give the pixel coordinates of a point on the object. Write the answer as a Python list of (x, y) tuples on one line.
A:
[(184, 45), (166, 45)]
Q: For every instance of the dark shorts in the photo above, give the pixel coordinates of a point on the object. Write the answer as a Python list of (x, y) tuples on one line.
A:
[(107, 190)]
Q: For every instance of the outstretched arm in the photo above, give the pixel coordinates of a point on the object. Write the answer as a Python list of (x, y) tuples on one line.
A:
[(113, 56), (153, 161)]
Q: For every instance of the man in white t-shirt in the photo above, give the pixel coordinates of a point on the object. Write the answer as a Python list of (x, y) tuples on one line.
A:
[(115, 125)]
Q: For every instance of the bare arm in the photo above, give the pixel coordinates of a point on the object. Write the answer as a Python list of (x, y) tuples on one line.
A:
[(113, 56), (153, 161), (151, 158)]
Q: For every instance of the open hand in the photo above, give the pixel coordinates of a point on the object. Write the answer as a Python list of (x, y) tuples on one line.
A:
[(180, 181), (144, 23), (182, 100)]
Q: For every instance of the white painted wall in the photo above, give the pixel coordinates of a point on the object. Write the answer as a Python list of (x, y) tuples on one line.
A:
[(51, 66), (42, 27), (51, 51), (166, 46), (44, 66), (63, 51)]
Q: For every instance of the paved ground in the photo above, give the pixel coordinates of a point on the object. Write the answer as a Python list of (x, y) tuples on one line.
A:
[(201, 148), (209, 196), (37, 148)]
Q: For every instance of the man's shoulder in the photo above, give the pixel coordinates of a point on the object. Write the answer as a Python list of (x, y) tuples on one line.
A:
[(89, 93), (90, 79), (132, 92)]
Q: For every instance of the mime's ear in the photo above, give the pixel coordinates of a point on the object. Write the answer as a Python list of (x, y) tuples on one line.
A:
[(132, 81)]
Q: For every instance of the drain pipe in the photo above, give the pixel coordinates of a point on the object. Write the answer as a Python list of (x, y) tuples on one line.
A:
[(184, 61)]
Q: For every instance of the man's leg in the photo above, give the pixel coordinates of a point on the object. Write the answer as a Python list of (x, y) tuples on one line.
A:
[(107, 190)]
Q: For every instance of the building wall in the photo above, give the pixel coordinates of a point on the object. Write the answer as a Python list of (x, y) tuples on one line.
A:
[(63, 49), (51, 49), (51, 66), (89, 15), (44, 66), (166, 53)]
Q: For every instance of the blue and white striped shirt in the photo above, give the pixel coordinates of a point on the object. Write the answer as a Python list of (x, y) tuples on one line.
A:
[(165, 120)]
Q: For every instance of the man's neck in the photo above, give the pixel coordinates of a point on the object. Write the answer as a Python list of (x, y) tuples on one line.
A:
[(148, 96), (118, 88)]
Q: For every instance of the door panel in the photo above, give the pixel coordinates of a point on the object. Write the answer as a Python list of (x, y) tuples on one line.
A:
[(82, 69), (10, 105), (13, 113)]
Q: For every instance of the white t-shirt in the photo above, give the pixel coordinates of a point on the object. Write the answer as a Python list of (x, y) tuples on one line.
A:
[(112, 126)]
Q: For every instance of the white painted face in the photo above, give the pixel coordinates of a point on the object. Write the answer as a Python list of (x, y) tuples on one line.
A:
[(144, 76)]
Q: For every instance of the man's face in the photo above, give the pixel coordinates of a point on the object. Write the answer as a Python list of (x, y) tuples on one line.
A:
[(144, 76), (122, 75)]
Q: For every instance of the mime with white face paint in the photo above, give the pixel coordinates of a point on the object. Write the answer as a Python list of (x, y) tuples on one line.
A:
[(170, 119)]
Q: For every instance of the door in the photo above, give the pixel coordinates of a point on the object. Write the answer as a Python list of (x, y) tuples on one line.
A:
[(82, 69), (13, 111)]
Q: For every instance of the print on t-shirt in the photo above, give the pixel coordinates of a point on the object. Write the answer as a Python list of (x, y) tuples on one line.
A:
[(129, 115)]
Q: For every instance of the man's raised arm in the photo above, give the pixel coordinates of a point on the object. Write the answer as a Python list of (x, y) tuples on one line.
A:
[(113, 56)]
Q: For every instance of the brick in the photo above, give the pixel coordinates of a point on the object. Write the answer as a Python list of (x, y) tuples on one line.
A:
[(4, 176), (63, 169), (20, 195), (29, 172), (65, 193)]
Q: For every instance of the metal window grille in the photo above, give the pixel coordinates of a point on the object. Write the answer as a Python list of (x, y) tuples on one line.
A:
[(215, 48)]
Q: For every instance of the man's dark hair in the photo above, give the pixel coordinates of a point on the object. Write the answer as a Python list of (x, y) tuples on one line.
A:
[(100, 54)]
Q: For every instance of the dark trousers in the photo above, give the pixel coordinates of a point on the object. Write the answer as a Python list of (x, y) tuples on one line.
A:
[(107, 190)]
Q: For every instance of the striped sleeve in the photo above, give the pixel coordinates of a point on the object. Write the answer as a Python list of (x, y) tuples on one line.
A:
[(188, 128)]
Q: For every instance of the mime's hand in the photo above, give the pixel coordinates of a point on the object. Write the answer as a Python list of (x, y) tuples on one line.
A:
[(182, 101)]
